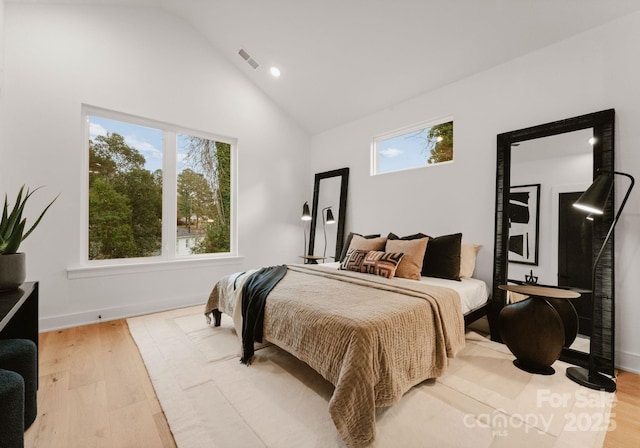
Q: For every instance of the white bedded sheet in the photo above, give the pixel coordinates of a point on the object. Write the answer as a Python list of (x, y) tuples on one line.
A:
[(473, 292)]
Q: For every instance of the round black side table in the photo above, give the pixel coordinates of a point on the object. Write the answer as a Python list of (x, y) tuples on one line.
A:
[(536, 329)]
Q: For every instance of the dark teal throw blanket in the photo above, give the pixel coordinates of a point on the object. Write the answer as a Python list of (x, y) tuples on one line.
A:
[(254, 295)]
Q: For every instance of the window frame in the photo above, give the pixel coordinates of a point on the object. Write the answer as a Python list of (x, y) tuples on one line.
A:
[(169, 200), (374, 158)]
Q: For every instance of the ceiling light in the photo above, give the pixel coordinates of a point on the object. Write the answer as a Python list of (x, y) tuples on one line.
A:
[(592, 141), (275, 71)]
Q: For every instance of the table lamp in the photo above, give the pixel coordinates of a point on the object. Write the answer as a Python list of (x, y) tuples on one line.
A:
[(306, 216)]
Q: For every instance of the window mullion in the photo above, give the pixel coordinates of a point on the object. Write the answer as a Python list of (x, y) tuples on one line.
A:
[(169, 195)]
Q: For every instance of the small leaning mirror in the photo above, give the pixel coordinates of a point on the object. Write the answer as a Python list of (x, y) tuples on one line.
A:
[(328, 214)]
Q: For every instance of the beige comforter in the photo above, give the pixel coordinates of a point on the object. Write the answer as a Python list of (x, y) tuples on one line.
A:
[(371, 337)]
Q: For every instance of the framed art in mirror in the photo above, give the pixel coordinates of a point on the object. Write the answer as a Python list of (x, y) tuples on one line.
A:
[(524, 223)]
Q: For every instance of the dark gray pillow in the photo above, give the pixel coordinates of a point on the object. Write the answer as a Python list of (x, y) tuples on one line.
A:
[(415, 236), (442, 257)]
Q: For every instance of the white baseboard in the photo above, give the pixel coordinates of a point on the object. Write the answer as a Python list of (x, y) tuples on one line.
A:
[(629, 362), (103, 315)]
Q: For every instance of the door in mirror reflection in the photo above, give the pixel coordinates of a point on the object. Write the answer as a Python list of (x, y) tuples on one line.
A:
[(575, 256)]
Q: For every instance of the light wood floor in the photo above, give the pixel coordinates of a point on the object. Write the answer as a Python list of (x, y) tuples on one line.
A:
[(627, 413), (95, 392)]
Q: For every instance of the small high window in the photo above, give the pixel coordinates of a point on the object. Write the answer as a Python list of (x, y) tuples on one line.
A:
[(418, 146)]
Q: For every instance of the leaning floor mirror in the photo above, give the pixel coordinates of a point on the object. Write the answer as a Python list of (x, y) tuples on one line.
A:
[(541, 239), (328, 214)]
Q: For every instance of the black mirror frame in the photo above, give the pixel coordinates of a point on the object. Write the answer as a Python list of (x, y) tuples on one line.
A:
[(342, 211), (603, 124)]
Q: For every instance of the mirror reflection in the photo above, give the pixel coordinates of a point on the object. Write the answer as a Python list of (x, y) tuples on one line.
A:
[(549, 241), (328, 207)]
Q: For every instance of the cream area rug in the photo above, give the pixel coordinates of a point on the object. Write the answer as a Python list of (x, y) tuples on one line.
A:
[(483, 400)]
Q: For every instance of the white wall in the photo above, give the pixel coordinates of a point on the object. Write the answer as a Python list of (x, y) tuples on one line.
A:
[(1, 87), (1, 42), (590, 72), (147, 63)]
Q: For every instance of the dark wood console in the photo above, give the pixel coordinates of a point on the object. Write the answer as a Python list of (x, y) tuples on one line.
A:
[(19, 313)]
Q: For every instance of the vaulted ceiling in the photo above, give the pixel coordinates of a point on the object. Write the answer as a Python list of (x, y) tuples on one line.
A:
[(343, 59)]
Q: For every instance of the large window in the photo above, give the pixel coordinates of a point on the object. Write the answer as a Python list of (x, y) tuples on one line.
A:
[(414, 147), (155, 191)]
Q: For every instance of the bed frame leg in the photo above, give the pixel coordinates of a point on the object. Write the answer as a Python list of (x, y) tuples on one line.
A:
[(217, 316)]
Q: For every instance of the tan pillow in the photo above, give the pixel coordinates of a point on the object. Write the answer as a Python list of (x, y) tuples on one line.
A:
[(411, 264), (361, 243), (468, 253)]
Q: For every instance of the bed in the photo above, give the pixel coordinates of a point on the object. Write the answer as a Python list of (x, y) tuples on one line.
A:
[(372, 337), (473, 292)]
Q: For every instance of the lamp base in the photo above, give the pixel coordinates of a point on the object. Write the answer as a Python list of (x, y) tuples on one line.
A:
[(594, 380)]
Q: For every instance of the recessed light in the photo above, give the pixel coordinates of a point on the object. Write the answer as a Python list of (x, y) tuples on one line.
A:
[(275, 71)]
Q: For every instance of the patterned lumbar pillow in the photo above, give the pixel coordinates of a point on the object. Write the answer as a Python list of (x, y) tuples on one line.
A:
[(353, 260), (372, 262)]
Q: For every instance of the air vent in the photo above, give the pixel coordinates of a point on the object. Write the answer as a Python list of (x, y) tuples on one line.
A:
[(247, 57)]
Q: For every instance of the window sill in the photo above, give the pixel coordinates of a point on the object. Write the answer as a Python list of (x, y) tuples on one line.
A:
[(152, 266)]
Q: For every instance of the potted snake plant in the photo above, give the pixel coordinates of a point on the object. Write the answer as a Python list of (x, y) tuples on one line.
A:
[(12, 233)]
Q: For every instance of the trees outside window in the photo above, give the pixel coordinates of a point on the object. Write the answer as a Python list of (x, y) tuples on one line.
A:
[(414, 147), (127, 190), (204, 193)]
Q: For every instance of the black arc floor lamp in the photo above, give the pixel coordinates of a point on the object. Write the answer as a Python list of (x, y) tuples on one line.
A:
[(593, 202)]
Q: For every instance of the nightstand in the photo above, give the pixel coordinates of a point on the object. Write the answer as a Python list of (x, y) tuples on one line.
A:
[(312, 259)]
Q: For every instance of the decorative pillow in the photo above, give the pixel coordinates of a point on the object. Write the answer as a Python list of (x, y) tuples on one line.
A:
[(353, 260), (372, 262), (468, 253), (362, 243), (345, 248), (352, 265), (414, 250), (415, 236), (442, 257)]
